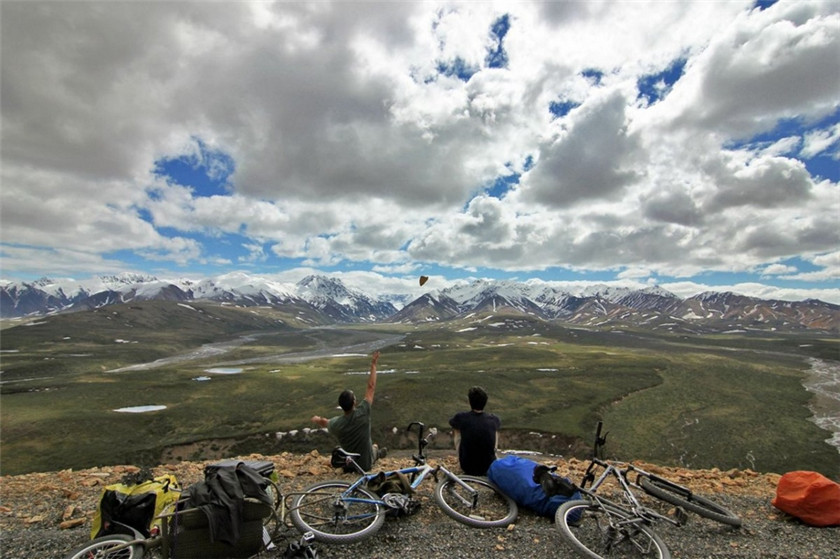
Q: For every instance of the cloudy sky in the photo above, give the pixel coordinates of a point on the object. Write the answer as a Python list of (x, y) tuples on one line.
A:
[(692, 145)]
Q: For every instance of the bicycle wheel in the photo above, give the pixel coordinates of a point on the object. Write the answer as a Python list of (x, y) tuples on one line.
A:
[(335, 516), (603, 532), (489, 508), (103, 548), (273, 491), (682, 497)]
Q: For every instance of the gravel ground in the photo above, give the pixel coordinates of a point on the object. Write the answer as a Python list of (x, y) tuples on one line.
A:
[(762, 536), (33, 507)]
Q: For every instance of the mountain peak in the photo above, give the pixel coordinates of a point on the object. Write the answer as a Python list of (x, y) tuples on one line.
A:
[(321, 286), (127, 278), (656, 290), (326, 299)]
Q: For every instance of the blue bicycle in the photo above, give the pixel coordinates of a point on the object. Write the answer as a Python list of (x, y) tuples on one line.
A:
[(345, 512)]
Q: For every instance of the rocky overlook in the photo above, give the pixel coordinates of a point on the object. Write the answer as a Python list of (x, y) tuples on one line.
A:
[(48, 514)]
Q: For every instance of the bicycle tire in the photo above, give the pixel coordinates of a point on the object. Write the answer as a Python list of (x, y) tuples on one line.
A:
[(599, 531), (319, 509), (673, 493), (276, 496), (99, 548), (494, 508)]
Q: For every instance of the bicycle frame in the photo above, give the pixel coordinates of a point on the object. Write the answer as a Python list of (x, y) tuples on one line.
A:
[(417, 474), (628, 523), (632, 505)]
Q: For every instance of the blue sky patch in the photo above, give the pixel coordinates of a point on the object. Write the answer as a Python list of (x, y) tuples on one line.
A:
[(654, 87), (764, 4), (821, 165), (593, 75), (205, 171), (145, 214), (529, 163), (502, 185), (497, 57), (559, 109), (457, 68)]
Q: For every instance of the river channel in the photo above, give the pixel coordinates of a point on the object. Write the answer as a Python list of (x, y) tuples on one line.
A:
[(824, 382), (376, 341)]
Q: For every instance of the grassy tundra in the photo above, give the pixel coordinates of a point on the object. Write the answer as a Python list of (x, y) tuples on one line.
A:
[(725, 401)]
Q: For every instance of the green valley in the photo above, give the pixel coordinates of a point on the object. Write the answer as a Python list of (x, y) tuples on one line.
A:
[(243, 374)]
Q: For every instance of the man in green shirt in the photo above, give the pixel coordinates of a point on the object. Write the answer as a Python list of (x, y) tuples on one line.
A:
[(353, 428)]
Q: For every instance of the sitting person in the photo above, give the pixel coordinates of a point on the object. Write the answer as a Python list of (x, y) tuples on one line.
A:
[(352, 429), (476, 434)]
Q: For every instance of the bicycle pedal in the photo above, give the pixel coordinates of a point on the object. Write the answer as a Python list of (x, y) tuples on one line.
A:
[(682, 516)]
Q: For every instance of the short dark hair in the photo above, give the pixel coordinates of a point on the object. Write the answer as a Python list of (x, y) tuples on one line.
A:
[(478, 398), (346, 400)]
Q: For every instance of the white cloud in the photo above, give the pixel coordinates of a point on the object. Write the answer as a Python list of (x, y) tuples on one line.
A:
[(753, 289), (818, 142), (777, 269), (782, 146), (350, 145)]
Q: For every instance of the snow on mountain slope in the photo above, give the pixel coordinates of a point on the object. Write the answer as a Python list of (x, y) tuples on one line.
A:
[(598, 305)]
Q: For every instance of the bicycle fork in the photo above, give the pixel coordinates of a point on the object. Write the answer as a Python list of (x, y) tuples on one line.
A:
[(472, 494), (624, 532)]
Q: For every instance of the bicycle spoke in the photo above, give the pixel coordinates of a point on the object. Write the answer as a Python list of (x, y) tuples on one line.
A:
[(477, 502), (603, 532), (335, 515)]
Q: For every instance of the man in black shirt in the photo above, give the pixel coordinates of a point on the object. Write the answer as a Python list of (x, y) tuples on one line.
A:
[(476, 434)]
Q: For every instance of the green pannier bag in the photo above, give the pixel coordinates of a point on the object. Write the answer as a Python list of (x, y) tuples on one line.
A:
[(135, 505)]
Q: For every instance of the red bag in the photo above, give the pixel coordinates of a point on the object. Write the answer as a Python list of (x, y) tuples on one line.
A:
[(809, 496)]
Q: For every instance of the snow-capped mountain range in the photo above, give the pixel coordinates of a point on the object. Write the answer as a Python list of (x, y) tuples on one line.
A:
[(325, 295), (651, 307)]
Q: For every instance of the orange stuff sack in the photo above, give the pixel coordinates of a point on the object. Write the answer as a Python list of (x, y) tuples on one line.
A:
[(810, 497)]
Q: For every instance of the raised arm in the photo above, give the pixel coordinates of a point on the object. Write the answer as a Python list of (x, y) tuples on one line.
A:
[(371, 385)]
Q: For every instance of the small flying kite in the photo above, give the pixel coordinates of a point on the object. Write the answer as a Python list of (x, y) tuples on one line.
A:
[(423, 279)]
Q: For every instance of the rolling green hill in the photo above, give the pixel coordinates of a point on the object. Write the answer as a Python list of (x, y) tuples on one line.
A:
[(724, 401)]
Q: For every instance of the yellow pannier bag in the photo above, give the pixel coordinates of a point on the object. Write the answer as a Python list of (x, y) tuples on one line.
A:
[(134, 505)]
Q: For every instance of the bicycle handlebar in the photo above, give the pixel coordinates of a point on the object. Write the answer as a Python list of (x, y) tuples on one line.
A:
[(422, 442), (419, 424)]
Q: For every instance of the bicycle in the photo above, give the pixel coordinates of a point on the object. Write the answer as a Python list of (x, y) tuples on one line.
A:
[(184, 533), (344, 512), (599, 527)]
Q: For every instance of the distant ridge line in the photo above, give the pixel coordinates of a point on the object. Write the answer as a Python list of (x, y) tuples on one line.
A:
[(328, 297)]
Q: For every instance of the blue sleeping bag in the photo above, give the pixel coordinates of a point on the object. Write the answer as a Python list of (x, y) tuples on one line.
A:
[(515, 477)]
